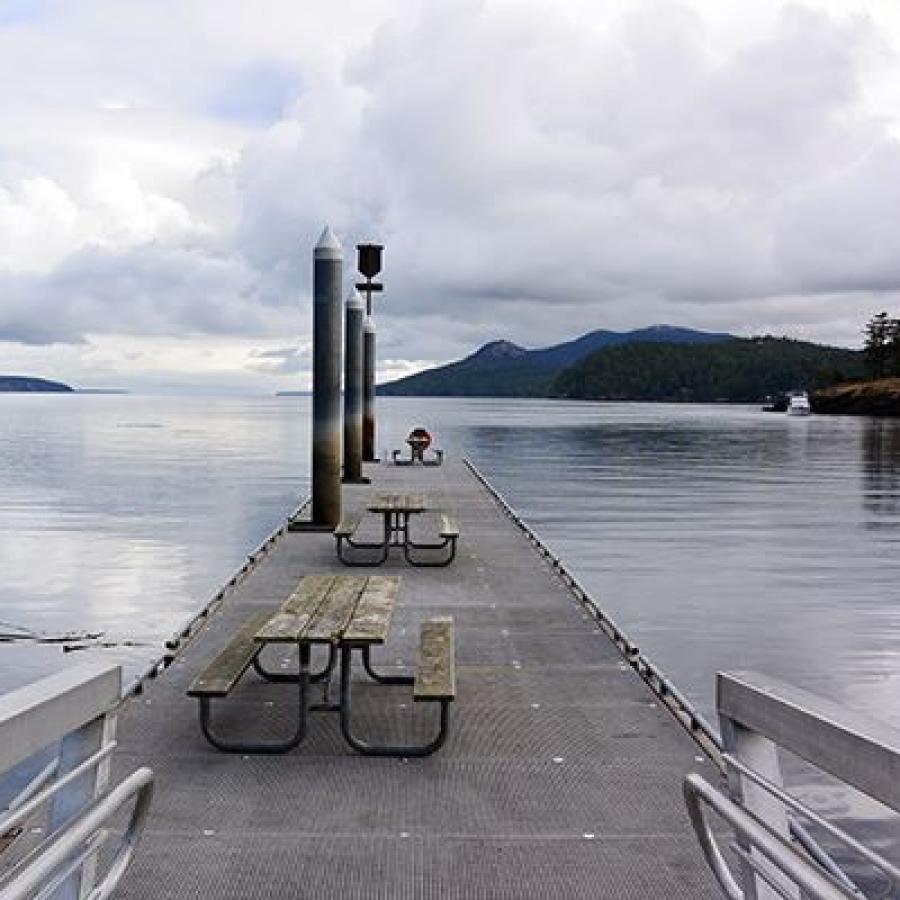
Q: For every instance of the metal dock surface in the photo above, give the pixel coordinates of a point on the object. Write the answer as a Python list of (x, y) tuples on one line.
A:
[(561, 776)]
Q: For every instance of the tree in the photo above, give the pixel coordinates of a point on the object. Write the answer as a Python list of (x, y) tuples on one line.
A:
[(877, 345), (893, 347)]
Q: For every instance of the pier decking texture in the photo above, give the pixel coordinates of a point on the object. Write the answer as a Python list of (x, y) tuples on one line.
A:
[(561, 777)]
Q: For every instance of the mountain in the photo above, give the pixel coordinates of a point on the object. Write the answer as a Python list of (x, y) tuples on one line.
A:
[(503, 369), (23, 384), (739, 370), (569, 353)]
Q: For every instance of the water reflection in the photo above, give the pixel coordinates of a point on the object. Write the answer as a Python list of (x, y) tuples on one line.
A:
[(124, 514), (880, 440)]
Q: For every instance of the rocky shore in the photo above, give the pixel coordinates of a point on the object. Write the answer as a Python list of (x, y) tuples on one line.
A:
[(862, 398)]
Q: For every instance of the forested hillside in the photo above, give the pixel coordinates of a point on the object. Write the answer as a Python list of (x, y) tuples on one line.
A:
[(738, 370)]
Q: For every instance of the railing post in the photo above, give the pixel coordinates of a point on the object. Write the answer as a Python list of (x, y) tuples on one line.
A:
[(76, 747), (761, 755)]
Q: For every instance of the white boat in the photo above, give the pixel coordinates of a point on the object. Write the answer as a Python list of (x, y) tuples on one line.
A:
[(798, 404)]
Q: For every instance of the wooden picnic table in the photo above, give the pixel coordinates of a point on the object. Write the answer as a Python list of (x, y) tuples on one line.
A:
[(396, 509), (346, 613)]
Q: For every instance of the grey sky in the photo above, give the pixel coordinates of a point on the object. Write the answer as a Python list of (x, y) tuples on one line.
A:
[(535, 170)]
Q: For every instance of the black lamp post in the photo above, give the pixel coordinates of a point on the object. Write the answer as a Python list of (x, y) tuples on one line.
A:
[(369, 265)]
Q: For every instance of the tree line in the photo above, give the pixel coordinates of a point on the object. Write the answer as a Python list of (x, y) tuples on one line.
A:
[(740, 370), (882, 346)]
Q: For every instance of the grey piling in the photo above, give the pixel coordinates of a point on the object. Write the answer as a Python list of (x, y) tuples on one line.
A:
[(353, 387), (328, 259), (369, 390)]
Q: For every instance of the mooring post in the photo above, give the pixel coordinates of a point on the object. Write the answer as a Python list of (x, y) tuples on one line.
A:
[(369, 391), (353, 388), (328, 259)]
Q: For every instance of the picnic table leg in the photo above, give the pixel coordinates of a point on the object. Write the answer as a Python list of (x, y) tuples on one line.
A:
[(368, 749), (327, 705), (228, 746), (394, 528), (382, 679), (291, 678)]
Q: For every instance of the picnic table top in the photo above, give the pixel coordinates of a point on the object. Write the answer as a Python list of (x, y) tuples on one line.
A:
[(327, 609), (387, 503)]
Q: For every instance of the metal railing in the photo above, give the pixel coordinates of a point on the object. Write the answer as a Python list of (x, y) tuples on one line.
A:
[(72, 717), (758, 716)]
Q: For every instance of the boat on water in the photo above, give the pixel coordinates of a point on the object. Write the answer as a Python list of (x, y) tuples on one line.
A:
[(798, 404)]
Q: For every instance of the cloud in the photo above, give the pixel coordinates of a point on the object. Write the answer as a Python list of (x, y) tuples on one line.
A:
[(534, 172), (256, 93), (840, 232), (281, 361)]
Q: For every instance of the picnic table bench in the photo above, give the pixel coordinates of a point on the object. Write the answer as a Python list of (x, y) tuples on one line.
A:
[(346, 613), (397, 510)]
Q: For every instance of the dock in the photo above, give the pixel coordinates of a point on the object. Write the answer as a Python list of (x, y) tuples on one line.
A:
[(561, 776)]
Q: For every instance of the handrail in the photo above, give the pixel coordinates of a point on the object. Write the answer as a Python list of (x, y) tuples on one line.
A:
[(79, 836), (26, 807), (36, 784), (858, 749), (815, 884), (793, 803), (35, 716)]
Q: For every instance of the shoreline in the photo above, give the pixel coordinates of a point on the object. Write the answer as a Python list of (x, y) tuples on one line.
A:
[(862, 398)]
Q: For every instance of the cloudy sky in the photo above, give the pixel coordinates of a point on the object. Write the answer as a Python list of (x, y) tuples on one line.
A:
[(535, 170)]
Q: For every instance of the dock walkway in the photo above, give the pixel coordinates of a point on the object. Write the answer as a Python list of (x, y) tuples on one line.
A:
[(561, 777)]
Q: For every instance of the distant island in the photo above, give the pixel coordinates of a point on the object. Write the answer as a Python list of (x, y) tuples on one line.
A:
[(20, 384), (102, 391), (659, 363)]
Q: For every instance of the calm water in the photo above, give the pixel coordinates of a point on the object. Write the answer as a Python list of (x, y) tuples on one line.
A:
[(719, 537)]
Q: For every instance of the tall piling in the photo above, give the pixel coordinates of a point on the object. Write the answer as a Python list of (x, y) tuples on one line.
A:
[(328, 259), (369, 390), (353, 387)]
